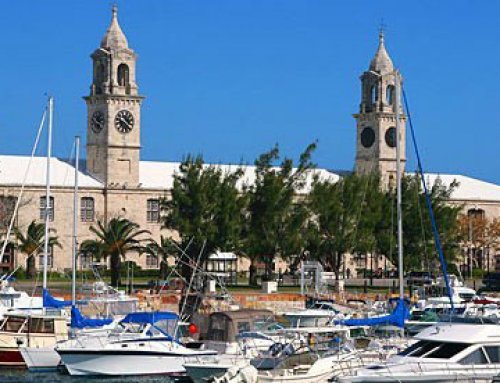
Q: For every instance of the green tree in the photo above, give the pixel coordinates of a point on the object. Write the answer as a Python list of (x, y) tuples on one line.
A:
[(418, 241), (341, 219), (114, 239), (276, 218), (161, 250), (206, 209), (31, 243)]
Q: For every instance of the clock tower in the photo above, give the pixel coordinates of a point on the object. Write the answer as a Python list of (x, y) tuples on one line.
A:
[(376, 120), (114, 112)]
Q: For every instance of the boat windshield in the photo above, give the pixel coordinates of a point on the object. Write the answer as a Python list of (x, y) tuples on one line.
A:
[(431, 349), (14, 324)]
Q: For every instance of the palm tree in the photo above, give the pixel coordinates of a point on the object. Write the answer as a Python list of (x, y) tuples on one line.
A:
[(163, 250), (32, 243), (115, 239)]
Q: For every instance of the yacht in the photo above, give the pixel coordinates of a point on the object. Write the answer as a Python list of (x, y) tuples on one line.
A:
[(445, 352), (12, 299), (237, 336), (141, 344), (29, 329)]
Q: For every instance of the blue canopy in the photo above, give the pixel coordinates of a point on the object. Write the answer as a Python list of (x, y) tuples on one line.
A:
[(79, 321), (149, 317), (50, 301), (396, 318)]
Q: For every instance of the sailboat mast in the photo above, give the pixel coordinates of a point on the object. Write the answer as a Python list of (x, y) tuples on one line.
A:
[(397, 104), (75, 222), (47, 194)]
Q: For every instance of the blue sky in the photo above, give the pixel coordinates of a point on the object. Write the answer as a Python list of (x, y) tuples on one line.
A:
[(229, 78)]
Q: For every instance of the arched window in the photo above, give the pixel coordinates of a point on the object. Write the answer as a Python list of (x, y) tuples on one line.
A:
[(123, 75), (99, 77), (373, 94), (389, 94), (476, 214)]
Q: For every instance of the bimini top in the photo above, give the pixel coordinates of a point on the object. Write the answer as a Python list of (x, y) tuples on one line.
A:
[(149, 317)]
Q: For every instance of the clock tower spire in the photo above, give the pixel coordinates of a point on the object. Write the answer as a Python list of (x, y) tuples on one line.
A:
[(114, 108), (376, 120)]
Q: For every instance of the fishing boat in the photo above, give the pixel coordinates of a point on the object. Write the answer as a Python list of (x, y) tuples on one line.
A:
[(446, 352), (141, 344)]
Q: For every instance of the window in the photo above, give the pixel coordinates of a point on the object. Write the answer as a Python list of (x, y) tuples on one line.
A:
[(153, 210), (41, 325), (475, 357), (447, 350), (389, 94), (420, 348), (151, 260), (493, 353), (50, 208), (476, 214), (123, 75), (50, 259), (373, 94), (87, 209)]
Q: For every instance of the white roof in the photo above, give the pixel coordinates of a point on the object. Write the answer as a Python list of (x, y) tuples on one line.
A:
[(468, 189), (13, 170), (160, 175), (220, 256), (461, 333)]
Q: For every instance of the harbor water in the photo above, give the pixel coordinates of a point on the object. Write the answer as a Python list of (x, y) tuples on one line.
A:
[(24, 376)]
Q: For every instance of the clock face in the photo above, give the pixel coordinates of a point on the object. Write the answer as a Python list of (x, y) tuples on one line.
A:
[(97, 121), (390, 137), (124, 121), (367, 137)]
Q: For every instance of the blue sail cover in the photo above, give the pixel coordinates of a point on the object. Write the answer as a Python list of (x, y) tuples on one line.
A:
[(79, 321), (149, 317), (51, 302), (396, 318)]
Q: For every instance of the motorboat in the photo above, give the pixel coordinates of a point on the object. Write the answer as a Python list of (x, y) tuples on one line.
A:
[(446, 352), (15, 300), (38, 330), (237, 336), (45, 358), (313, 317), (141, 344), (107, 301), (316, 355)]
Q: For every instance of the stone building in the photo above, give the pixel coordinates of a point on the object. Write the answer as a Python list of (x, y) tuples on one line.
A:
[(114, 181)]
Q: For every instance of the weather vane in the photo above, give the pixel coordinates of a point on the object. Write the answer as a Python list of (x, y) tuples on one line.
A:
[(382, 28)]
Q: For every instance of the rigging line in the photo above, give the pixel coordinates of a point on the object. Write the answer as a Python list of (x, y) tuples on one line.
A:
[(26, 173), (428, 201), (422, 227)]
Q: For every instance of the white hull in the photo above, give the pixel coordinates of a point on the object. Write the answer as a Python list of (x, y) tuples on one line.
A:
[(200, 371), (121, 363), (309, 378), (434, 374), (40, 358)]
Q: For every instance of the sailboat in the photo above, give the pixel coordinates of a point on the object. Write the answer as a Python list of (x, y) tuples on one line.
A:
[(39, 328), (42, 356)]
